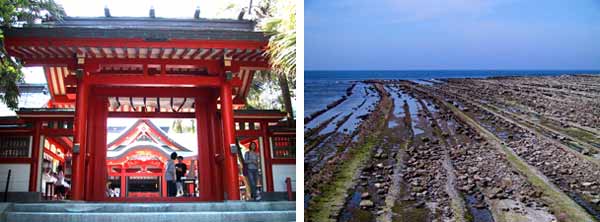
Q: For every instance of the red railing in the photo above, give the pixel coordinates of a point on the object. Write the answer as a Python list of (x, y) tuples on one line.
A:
[(288, 184)]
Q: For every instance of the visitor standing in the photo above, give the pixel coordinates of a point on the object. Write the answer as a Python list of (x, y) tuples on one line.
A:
[(251, 160), (47, 178), (61, 185), (181, 170), (170, 176)]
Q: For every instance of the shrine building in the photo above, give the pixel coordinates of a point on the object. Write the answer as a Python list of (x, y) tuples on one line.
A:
[(123, 93)]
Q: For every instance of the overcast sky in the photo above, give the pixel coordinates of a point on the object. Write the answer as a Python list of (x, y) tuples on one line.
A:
[(452, 34)]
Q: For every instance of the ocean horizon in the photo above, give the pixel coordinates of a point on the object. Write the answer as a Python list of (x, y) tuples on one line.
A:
[(437, 73), (322, 87)]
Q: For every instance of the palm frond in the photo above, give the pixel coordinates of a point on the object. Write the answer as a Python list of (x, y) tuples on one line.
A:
[(282, 43)]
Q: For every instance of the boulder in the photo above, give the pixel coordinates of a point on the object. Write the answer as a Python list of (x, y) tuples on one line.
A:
[(420, 204), (365, 195), (366, 204)]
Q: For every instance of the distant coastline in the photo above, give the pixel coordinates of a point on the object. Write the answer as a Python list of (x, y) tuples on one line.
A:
[(429, 74)]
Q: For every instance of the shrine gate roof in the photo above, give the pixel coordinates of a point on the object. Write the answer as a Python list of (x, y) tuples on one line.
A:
[(138, 46), (156, 29)]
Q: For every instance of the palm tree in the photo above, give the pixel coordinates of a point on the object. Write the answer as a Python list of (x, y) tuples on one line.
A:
[(282, 49), (279, 21), (176, 127), (12, 13)]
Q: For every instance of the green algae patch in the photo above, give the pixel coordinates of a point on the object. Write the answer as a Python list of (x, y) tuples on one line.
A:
[(406, 212), (334, 193)]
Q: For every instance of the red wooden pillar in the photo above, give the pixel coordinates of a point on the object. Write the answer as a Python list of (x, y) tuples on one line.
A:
[(231, 167), (90, 156), (98, 146), (163, 184), (203, 164), (217, 151), (35, 157), (267, 155), (78, 167), (123, 182)]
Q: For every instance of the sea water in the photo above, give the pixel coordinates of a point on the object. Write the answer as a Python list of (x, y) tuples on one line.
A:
[(324, 87)]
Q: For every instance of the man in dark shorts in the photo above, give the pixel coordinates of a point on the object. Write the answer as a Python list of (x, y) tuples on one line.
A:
[(181, 169)]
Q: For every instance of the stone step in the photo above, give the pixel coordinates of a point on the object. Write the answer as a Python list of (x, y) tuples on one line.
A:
[(247, 216), (154, 207)]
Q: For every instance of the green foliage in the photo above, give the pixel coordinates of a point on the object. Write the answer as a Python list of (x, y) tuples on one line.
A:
[(179, 127), (262, 85), (282, 43), (176, 126), (192, 129), (14, 13), (277, 18), (10, 75)]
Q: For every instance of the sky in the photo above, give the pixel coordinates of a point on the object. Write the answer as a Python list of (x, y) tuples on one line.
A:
[(452, 34), (163, 8), (140, 8)]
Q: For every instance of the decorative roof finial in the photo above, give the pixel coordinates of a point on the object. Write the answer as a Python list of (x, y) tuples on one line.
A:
[(197, 13), (241, 15), (106, 12), (152, 14)]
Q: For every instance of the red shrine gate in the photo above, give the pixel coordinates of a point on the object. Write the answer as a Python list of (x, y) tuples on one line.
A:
[(160, 68)]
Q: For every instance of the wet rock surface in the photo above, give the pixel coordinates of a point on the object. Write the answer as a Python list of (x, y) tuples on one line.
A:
[(427, 165)]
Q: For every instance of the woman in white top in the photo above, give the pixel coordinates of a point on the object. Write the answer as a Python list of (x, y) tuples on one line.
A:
[(61, 185)]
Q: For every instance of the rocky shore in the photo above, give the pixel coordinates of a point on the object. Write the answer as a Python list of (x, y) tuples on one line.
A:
[(494, 149)]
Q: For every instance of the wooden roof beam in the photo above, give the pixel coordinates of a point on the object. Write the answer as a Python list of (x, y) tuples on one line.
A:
[(168, 56), (160, 54), (253, 57), (249, 55), (199, 53), (17, 51), (113, 52), (182, 103), (137, 53), (240, 52), (67, 51), (91, 52), (185, 52), (54, 51), (46, 52), (29, 52), (219, 54)]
